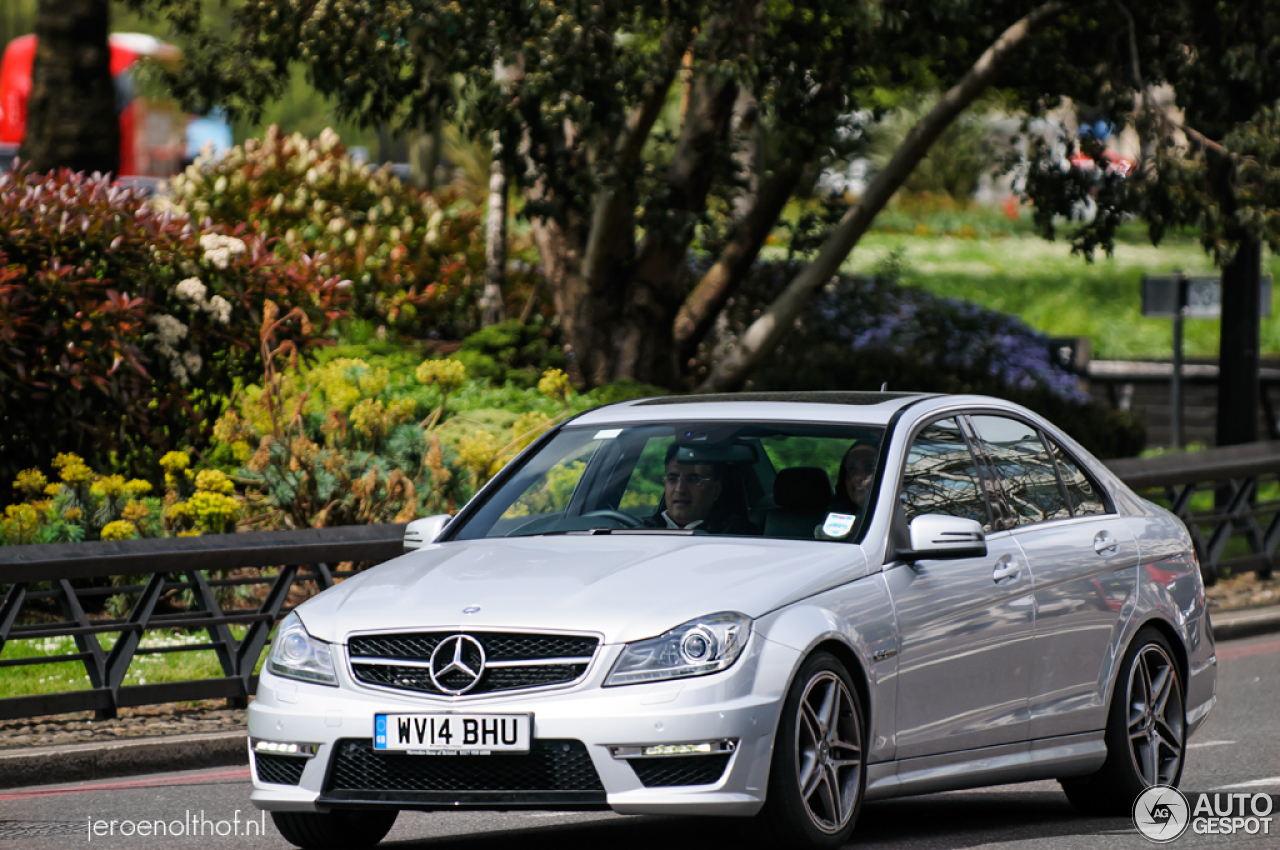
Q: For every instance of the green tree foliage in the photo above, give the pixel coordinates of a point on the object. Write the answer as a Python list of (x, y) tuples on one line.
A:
[(1210, 165), (637, 133)]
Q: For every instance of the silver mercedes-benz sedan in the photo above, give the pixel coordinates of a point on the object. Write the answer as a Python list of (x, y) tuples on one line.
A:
[(767, 606)]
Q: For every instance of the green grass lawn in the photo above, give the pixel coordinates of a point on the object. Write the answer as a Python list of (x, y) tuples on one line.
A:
[(33, 679), (1060, 294)]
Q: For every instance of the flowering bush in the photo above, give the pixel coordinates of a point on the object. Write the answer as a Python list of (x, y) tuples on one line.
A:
[(862, 333), (84, 505), (120, 321), (415, 260)]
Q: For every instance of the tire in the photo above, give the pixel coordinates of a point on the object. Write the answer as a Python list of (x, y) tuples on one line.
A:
[(340, 830), (819, 768), (1146, 733)]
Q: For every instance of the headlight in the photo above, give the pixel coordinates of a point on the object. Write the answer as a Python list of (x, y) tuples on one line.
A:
[(701, 646), (297, 655)]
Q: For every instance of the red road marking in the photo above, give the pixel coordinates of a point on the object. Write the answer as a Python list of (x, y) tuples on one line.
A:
[(1247, 651), (239, 773)]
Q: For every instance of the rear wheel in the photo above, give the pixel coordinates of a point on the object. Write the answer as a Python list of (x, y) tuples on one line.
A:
[(334, 830), (1146, 731), (818, 773)]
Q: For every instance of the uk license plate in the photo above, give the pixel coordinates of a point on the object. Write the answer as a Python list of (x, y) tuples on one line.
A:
[(452, 734)]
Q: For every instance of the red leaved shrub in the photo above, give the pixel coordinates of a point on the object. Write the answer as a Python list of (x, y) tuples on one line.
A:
[(121, 326)]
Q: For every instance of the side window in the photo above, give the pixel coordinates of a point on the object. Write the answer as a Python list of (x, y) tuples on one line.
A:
[(1085, 500), (1026, 471), (941, 476)]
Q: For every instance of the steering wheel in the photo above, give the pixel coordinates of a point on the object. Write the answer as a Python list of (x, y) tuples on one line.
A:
[(626, 520)]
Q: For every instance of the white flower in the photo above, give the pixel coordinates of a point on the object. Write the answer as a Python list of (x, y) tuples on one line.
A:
[(193, 361), (220, 308), (328, 139), (170, 330), (191, 290), (220, 250)]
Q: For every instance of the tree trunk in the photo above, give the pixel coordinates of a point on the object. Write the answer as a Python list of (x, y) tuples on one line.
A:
[(493, 301), (1238, 393), (763, 335), (71, 115)]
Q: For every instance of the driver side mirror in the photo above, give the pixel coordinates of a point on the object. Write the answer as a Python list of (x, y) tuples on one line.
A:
[(420, 532), (936, 537)]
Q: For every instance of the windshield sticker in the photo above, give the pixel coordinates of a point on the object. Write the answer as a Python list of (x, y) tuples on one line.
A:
[(838, 525), (610, 434)]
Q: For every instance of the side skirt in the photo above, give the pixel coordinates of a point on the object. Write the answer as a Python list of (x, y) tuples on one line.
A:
[(1045, 758)]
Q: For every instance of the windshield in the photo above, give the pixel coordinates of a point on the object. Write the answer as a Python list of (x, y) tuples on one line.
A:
[(797, 481)]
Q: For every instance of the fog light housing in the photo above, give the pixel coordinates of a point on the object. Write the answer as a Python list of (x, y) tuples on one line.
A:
[(283, 748), (694, 748)]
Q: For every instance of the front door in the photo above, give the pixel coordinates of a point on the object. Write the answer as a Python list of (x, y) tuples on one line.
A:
[(965, 625)]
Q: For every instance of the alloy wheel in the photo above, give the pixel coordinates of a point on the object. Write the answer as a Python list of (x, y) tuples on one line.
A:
[(828, 752), (1155, 722)]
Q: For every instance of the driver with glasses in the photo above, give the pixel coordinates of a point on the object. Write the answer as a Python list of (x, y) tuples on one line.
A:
[(691, 492)]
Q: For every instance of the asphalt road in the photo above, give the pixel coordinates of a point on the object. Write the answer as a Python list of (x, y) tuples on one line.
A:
[(1237, 750)]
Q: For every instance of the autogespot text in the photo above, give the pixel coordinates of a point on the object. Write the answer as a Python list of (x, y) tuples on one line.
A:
[(192, 825)]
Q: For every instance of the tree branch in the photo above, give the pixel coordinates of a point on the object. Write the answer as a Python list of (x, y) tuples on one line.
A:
[(699, 310), (763, 335), (611, 205)]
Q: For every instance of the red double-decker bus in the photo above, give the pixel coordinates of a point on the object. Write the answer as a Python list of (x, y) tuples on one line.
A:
[(152, 132)]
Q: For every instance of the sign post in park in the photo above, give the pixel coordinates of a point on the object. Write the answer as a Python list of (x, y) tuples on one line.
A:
[(1178, 297)]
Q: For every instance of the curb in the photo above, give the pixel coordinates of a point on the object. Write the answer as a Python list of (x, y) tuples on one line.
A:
[(89, 761), (1230, 625)]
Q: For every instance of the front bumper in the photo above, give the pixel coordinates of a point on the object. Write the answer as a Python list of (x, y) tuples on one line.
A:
[(739, 705)]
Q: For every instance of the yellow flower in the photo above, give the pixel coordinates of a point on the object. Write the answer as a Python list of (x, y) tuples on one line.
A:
[(136, 487), (369, 418), (241, 451), (31, 482), (73, 515), (121, 529), (111, 486), (213, 511), (374, 381), (175, 461), (555, 385), (72, 469), (401, 410), (446, 374), (53, 489), (214, 481), (191, 532)]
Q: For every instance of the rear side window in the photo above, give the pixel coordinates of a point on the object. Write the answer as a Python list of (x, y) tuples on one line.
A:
[(941, 476), (1084, 495), (1025, 469)]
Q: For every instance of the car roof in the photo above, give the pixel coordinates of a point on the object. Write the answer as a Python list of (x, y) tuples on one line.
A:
[(867, 408)]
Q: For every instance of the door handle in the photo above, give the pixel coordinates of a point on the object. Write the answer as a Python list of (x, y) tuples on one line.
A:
[(1104, 543), (1006, 569)]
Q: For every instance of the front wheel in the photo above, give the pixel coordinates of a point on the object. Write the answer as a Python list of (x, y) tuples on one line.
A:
[(340, 830), (818, 773), (1146, 731)]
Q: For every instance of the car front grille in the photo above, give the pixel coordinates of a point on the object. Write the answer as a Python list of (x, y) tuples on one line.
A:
[(282, 770), (551, 770), (680, 770), (510, 661)]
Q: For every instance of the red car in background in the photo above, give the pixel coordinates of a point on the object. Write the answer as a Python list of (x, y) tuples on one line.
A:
[(152, 132)]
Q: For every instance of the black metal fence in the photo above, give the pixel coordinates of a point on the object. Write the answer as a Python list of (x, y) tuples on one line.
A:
[(1228, 497), (76, 576)]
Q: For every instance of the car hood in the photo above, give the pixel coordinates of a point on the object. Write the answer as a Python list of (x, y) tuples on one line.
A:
[(625, 587)]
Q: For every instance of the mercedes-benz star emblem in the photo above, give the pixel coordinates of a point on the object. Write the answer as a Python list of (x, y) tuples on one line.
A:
[(457, 663)]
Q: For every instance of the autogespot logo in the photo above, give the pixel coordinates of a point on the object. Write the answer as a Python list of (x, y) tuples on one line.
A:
[(1161, 813)]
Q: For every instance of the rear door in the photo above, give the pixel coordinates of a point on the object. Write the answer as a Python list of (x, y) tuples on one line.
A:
[(1084, 561), (965, 625)]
